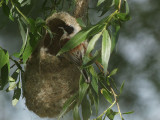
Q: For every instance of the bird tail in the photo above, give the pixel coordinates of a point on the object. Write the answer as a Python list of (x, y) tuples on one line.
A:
[(86, 76)]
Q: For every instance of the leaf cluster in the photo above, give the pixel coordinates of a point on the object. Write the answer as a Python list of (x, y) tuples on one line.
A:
[(102, 82)]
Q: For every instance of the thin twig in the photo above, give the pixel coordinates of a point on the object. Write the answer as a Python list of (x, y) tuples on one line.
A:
[(115, 97), (106, 110), (12, 66)]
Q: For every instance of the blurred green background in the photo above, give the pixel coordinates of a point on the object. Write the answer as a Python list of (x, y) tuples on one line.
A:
[(137, 57)]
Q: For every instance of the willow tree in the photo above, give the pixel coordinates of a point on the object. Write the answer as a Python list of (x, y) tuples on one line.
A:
[(47, 83)]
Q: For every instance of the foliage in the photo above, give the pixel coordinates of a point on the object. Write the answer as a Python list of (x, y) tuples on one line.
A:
[(32, 30)]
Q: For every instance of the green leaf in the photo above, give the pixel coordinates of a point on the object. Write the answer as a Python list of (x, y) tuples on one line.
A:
[(4, 76), (94, 81), (92, 60), (114, 35), (113, 72), (25, 2), (80, 37), (107, 95), (83, 86), (123, 17), (92, 43), (81, 23), (67, 104), (99, 118), (12, 80), (128, 112), (113, 83), (125, 7), (100, 2), (86, 109), (49, 31), (7, 2), (1, 2), (105, 6), (24, 36), (106, 50), (91, 97), (16, 96), (22, 31), (111, 114), (27, 51), (76, 113), (96, 101), (116, 2), (12, 84), (4, 58), (121, 88), (4, 67)]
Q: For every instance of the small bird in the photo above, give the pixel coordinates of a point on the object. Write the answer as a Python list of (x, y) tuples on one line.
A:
[(76, 54)]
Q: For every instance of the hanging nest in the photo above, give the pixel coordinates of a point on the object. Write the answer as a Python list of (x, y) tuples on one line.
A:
[(50, 80)]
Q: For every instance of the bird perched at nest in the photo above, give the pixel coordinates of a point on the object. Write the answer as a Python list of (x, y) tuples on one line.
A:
[(76, 54), (65, 27)]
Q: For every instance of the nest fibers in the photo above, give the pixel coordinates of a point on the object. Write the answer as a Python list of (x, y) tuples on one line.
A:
[(49, 80)]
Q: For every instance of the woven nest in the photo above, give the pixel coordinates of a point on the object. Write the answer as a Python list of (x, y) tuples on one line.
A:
[(49, 80)]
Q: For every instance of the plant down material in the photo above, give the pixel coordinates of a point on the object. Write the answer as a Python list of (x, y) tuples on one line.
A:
[(50, 80)]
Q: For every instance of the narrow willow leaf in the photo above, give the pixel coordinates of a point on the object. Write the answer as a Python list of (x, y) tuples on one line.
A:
[(12, 84), (92, 43), (27, 51), (116, 2), (86, 109), (22, 31), (4, 58), (4, 67), (113, 72), (128, 112), (24, 36), (100, 2), (4, 76), (67, 104), (94, 81), (107, 95), (93, 59), (1, 2), (76, 115), (81, 23), (106, 49), (16, 96), (7, 2), (25, 2), (99, 118), (83, 86), (80, 37), (111, 114), (105, 6), (123, 17), (91, 97), (96, 101), (113, 83), (125, 7), (121, 89), (114, 35), (13, 79)]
